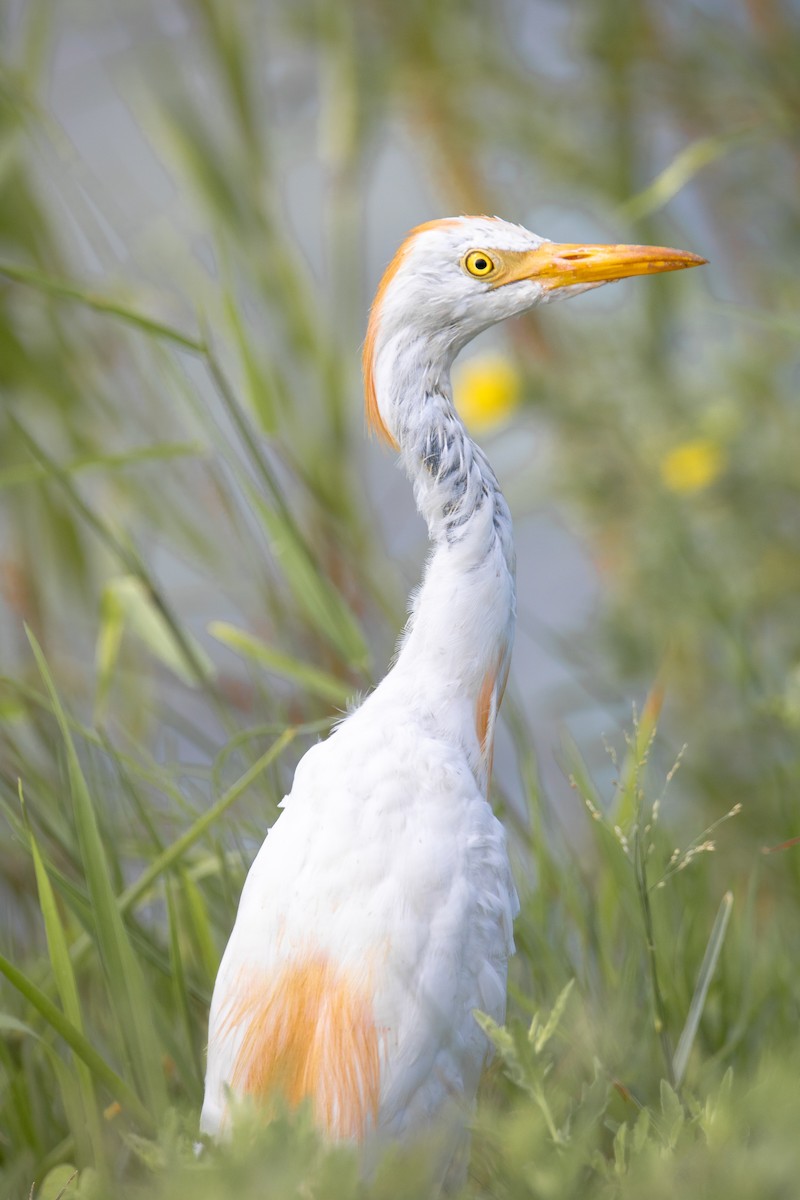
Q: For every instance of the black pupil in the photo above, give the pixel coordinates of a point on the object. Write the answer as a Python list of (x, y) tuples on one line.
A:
[(481, 264)]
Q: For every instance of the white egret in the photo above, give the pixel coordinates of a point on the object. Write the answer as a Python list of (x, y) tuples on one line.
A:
[(377, 915)]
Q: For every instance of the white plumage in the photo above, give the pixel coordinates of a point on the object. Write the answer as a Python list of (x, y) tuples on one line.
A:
[(378, 913)]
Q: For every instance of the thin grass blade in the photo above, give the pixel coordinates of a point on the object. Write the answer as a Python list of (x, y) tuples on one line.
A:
[(86, 1119), (127, 605), (35, 472), (311, 679), (178, 848), (685, 165), (179, 990), (318, 599), (56, 1019), (130, 998), (196, 917), (707, 969), (67, 289)]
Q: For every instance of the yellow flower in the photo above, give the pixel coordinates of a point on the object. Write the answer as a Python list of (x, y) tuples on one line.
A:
[(692, 466), (487, 391)]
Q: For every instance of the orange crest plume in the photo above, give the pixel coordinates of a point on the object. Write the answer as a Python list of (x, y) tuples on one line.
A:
[(308, 1032), (375, 422)]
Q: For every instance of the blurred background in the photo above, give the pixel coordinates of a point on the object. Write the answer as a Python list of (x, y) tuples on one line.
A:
[(197, 201)]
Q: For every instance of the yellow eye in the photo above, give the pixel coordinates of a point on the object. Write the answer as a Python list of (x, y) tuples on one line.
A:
[(478, 263)]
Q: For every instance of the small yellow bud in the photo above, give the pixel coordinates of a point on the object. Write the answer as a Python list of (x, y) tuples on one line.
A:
[(692, 466), (487, 391)]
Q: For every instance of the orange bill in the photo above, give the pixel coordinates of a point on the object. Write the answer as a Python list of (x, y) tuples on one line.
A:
[(565, 264)]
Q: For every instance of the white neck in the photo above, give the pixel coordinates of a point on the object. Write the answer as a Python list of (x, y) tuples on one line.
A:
[(456, 648)]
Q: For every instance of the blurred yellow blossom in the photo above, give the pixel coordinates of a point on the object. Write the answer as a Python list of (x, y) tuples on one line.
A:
[(487, 391), (692, 466)]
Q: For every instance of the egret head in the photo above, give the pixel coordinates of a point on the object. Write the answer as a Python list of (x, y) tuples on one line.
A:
[(455, 277)]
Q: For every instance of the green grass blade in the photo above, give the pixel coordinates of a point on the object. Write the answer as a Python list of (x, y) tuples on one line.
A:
[(540, 1034), (18, 1101), (68, 991), (685, 165), (260, 387), (124, 553), (707, 969), (36, 472), (110, 628), (172, 854), (178, 848), (126, 984), (318, 599), (67, 290), (197, 918), (56, 1019), (179, 989), (312, 679), (126, 604)]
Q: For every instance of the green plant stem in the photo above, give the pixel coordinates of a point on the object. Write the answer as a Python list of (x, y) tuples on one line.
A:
[(659, 1006)]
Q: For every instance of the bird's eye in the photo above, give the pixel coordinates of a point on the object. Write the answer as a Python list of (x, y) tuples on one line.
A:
[(478, 263)]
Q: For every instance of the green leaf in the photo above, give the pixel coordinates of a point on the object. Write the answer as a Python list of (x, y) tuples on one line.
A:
[(171, 854), (621, 1149), (106, 652), (318, 599), (707, 969), (122, 552), (33, 472), (715, 1111), (259, 386), (61, 1182), (197, 914), (68, 290), (88, 1118), (500, 1038), (684, 166), (11, 708), (317, 682), (672, 1112), (127, 605), (129, 996), (76, 1040), (149, 1152), (179, 989), (9, 1024), (640, 1131), (539, 1037)]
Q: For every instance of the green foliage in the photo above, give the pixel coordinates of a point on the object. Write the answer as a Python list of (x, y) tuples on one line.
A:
[(184, 529)]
